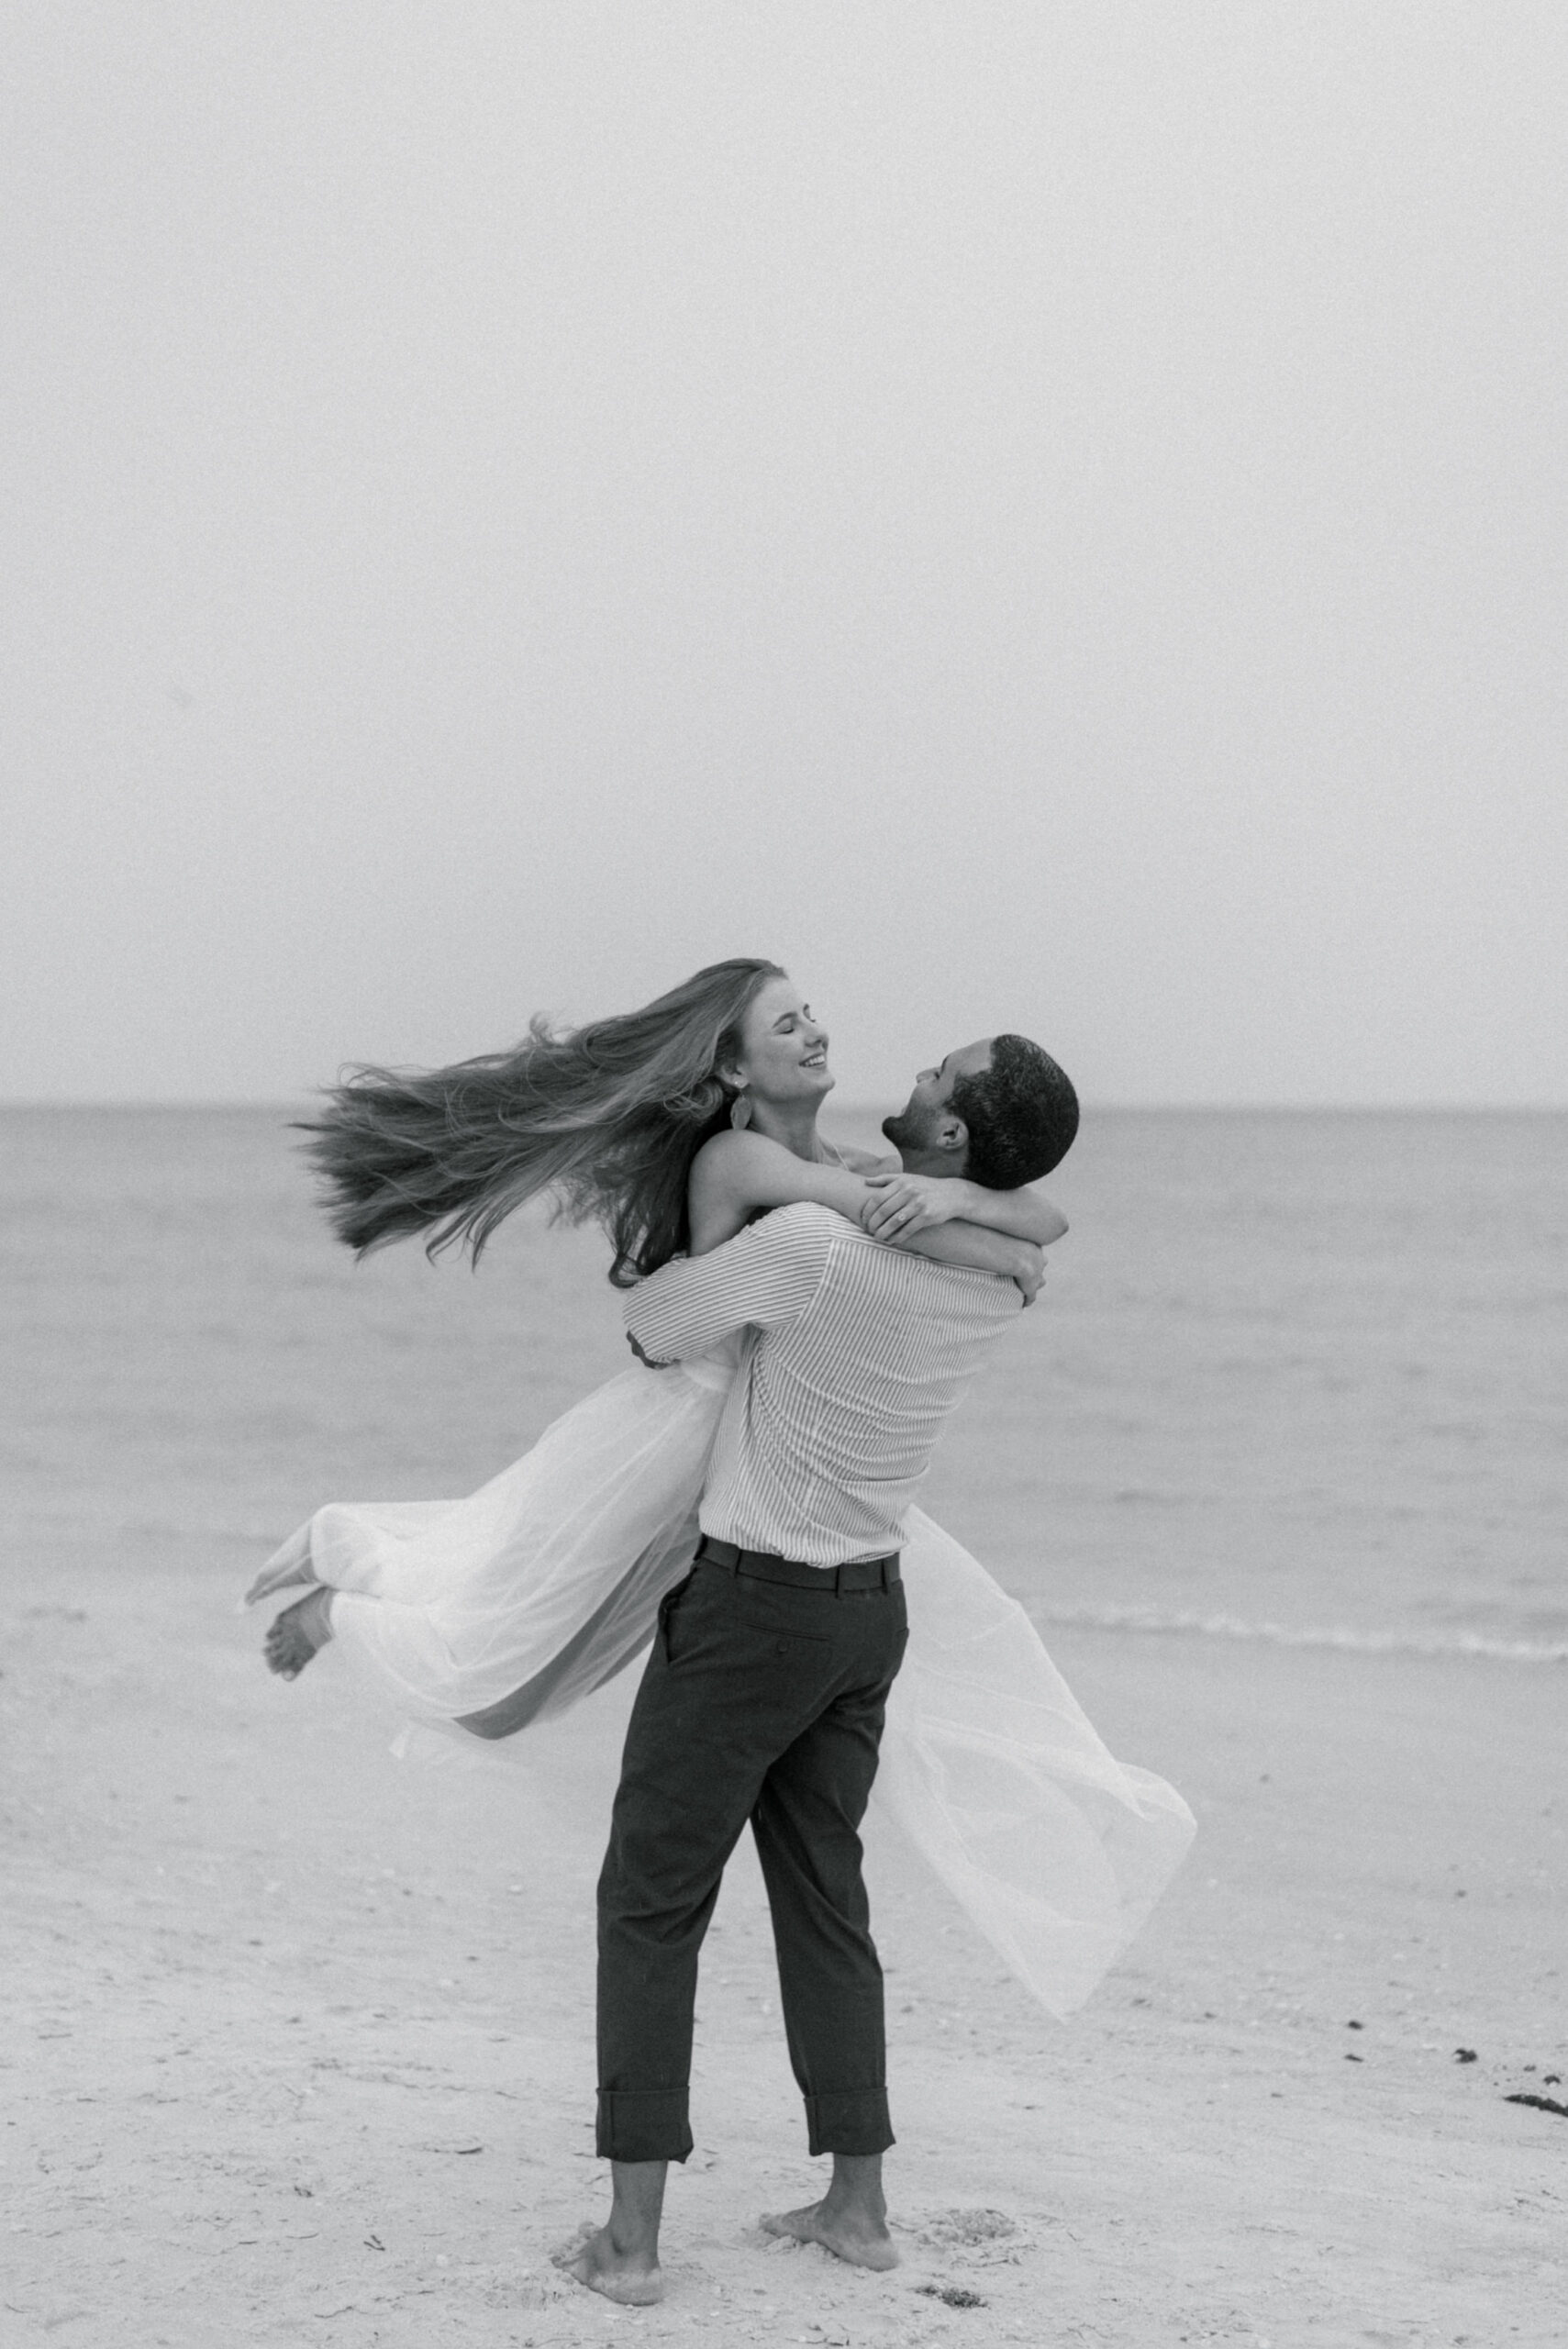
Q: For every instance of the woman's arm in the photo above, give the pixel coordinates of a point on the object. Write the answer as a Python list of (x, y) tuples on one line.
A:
[(736, 1173), (908, 1204)]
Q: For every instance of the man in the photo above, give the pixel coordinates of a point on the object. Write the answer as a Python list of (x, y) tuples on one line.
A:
[(765, 1693)]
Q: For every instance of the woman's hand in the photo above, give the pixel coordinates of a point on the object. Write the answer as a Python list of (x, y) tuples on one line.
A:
[(902, 1205)]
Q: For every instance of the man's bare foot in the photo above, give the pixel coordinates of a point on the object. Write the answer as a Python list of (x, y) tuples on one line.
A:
[(633, 2279), (856, 2235), (297, 1633)]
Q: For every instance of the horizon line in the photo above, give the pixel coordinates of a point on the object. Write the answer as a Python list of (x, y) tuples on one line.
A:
[(146, 1105)]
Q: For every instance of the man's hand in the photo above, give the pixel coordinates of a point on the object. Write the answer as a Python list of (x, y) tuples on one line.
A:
[(906, 1204), (646, 1360), (1031, 1273)]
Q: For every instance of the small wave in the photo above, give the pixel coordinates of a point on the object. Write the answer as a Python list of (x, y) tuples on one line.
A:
[(1287, 1635)]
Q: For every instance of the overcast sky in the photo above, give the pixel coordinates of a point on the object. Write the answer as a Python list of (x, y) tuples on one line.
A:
[(1044, 516)]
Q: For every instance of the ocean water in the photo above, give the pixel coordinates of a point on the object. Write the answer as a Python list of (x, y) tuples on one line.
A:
[(1296, 1376)]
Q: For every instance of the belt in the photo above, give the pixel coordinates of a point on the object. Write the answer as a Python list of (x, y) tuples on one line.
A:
[(856, 1574)]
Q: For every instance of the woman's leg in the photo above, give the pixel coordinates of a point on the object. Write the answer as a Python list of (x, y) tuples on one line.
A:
[(288, 1566)]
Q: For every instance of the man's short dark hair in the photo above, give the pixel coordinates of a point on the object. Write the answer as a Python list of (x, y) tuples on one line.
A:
[(1021, 1112)]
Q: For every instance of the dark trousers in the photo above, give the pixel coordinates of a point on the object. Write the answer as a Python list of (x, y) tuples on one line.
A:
[(760, 1701)]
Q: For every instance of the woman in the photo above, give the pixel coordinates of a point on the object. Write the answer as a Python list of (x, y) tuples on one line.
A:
[(673, 1126)]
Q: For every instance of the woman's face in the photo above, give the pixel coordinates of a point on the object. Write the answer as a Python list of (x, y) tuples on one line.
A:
[(783, 1052)]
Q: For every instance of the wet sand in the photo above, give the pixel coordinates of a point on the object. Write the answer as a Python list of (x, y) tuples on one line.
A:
[(301, 2046)]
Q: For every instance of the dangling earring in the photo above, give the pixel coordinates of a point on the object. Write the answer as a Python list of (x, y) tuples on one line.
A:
[(740, 1109)]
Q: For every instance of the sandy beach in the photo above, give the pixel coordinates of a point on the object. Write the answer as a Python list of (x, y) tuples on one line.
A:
[(301, 2037)]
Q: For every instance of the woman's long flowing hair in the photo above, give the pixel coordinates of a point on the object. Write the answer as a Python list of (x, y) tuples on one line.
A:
[(606, 1119)]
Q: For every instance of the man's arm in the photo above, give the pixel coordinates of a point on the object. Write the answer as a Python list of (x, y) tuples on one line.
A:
[(764, 1278), (965, 1245)]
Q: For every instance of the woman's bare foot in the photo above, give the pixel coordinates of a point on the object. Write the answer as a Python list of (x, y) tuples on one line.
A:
[(630, 2277), (863, 2241), (297, 1633), (287, 1567)]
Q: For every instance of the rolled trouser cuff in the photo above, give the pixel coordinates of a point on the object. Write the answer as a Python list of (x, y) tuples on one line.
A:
[(644, 2125), (855, 2121)]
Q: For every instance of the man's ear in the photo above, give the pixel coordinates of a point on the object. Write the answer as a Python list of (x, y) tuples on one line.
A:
[(953, 1137)]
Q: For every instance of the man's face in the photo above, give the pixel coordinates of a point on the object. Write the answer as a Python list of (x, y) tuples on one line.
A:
[(918, 1125)]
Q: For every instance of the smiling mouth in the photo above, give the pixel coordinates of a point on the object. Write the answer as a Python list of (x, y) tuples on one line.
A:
[(815, 1060)]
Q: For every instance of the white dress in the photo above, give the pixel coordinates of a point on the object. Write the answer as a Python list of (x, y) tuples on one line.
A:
[(551, 1574)]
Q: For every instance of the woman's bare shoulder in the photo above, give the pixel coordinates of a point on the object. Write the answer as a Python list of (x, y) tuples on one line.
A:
[(735, 1146), (730, 1161)]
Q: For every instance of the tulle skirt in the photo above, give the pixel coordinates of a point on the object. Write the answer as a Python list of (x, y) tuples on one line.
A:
[(511, 1605)]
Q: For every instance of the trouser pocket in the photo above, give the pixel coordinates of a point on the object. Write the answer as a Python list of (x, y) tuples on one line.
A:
[(667, 1607)]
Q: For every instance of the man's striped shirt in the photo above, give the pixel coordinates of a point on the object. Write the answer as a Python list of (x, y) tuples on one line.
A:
[(861, 1352)]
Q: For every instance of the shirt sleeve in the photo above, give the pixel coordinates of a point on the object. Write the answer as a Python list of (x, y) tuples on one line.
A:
[(765, 1277)]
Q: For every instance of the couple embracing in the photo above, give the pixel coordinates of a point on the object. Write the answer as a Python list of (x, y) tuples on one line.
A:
[(807, 1321)]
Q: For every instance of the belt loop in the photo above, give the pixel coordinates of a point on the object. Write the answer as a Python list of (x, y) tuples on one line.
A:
[(710, 1548)]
